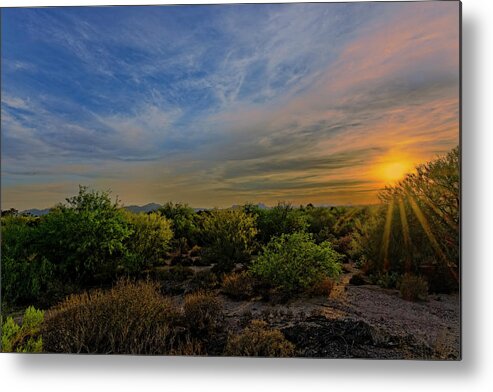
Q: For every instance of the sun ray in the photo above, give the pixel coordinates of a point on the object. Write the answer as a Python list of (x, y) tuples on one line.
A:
[(429, 233), (345, 217), (386, 236), (437, 211), (405, 233)]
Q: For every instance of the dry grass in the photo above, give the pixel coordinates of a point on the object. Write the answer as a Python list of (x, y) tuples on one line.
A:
[(238, 286), (131, 318), (413, 288), (258, 340), (321, 288)]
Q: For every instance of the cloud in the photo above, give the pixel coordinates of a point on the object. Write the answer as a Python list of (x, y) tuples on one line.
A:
[(200, 102)]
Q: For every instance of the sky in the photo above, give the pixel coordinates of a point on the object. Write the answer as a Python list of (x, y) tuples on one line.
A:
[(225, 104)]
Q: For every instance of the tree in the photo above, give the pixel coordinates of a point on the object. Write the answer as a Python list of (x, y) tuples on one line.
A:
[(85, 238), (282, 219), (149, 241), (184, 224), (229, 237), (25, 272), (418, 226)]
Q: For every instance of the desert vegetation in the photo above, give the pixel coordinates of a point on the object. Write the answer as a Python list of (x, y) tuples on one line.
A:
[(92, 277)]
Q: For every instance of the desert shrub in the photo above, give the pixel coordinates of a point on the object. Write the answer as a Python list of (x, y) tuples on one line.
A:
[(294, 262), (281, 219), (130, 318), (413, 288), (229, 238), (237, 285), (358, 280), (203, 313), (177, 273), (343, 244), (258, 340), (184, 221), (84, 239), (25, 273), (322, 287), (25, 337), (149, 241), (195, 251), (387, 280), (203, 281)]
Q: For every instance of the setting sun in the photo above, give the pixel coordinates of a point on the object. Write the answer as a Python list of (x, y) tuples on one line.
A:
[(394, 171), (392, 168)]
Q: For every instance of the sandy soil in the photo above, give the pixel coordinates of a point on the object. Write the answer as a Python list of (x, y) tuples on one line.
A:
[(428, 329)]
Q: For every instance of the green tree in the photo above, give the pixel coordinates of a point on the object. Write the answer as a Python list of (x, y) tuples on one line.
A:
[(417, 228), (184, 224), (281, 219), (229, 236), (85, 238), (149, 241), (26, 274)]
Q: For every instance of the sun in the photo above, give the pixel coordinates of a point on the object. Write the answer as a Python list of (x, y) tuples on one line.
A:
[(394, 171), (392, 168)]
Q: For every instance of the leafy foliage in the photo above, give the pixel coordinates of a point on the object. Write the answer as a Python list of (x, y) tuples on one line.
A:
[(149, 241), (416, 230), (25, 273), (184, 221), (282, 219), (26, 337), (84, 239), (229, 237), (293, 262)]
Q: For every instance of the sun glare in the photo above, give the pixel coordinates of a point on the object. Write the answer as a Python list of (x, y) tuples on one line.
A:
[(392, 168), (394, 171)]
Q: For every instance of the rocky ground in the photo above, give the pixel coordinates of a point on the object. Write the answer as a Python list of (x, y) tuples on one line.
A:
[(363, 321)]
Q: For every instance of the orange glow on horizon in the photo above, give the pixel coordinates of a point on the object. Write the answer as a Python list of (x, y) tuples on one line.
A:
[(392, 168)]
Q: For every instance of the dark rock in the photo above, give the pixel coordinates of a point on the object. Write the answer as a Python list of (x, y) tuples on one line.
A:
[(358, 280)]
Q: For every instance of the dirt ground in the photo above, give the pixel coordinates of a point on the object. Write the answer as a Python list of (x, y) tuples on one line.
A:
[(361, 321)]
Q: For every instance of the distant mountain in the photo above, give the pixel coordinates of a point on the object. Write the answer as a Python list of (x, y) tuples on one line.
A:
[(262, 206), (136, 209), (145, 208), (36, 212)]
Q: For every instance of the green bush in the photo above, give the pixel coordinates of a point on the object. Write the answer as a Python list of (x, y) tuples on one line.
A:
[(149, 241), (229, 237), (26, 337), (295, 262), (257, 340), (84, 239), (413, 288), (131, 318), (281, 219), (184, 222), (26, 274)]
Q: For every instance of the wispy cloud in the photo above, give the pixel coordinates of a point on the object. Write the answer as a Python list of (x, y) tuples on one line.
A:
[(215, 105)]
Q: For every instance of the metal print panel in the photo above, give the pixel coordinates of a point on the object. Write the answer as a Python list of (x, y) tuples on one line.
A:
[(272, 180)]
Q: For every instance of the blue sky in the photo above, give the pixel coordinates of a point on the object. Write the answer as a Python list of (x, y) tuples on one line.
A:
[(218, 105)]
